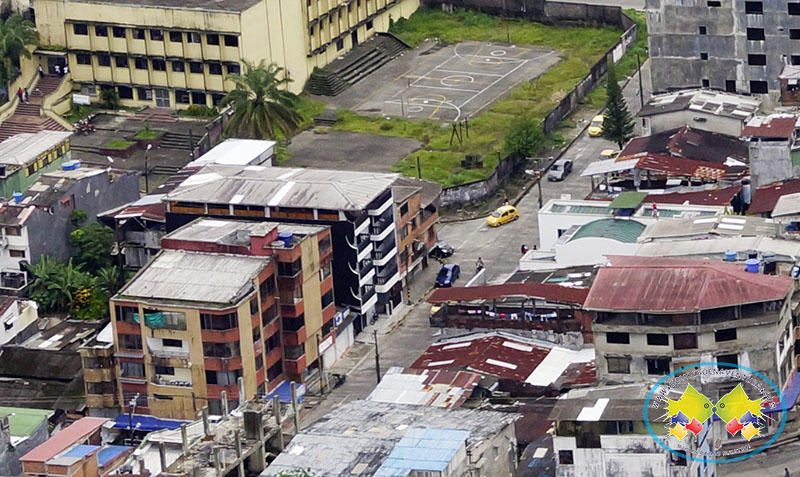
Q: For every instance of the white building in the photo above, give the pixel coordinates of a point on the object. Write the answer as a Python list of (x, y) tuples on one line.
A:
[(709, 110)]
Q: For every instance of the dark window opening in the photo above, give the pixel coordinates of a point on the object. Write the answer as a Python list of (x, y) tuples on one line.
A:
[(685, 340), (755, 34), (730, 86), (176, 37), (794, 8), (195, 67), (754, 8), (83, 59), (159, 65), (231, 40), (103, 59), (757, 60), (759, 87), (703, 56), (178, 66), (214, 69), (233, 69), (156, 35), (125, 92), (728, 358), (658, 366), (121, 61), (80, 29), (725, 335), (714, 3), (618, 338), (100, 30), (703, 30), (618, 365), (118, 32), (138, 33), (565, 457), (657, 339), (212, 39)]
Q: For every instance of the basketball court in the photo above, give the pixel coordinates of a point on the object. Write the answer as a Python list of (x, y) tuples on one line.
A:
[(456, 82)]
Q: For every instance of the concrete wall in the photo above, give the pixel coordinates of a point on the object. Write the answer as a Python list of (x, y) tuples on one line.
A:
[(9, 457), (695, 119), (478, 190), (770, 161)]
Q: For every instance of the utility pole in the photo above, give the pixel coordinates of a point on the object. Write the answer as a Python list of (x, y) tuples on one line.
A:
[(321, 370), (147, 170), (639, 72), (419, 169), (377, 357)]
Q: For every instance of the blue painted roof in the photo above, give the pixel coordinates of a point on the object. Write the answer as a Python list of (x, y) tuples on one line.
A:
[(80, 451), (109, 453), (284, 392), (145, 423), (423, 449)]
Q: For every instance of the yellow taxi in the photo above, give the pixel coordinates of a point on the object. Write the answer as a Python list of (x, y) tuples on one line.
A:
[(503, 215), (596, 127), (609, 154)]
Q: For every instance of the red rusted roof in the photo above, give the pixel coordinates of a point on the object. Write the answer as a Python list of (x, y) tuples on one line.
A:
[(704, 197), (507, 357), (677, 166), (679, 285), (765, 198), (777, 126), (73, 434), (545, 291)]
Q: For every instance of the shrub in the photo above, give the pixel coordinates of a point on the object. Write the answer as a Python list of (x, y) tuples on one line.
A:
[(110, 98)]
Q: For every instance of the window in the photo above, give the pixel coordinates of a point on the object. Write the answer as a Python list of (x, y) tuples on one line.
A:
[(162, 397), (685, 340), (794, 34), (168, 370), (292, 324), (339, 44), (118, 32), (256, 334), (703, 56), (233, 69), (121, 61), (267, 287), (730, 86), (178, 66), (755, 34), (172, 320), (103, 59), (99, 388), (705, 83), (16, 253), (760, 87), (195, 67), (658, 366), (231, 40), (181, 96), (83, 59), (619, 365), (125, 92), (275, 371), (176, 37), (289, 269), (294, 352), (757, 60), (728, 358), (273, 342), (125, 313), (100, 30), (156, 35), (703, 30), (130, 341), (144, 94), (198, 98), (327, 299), (192, 38), (138, 33), (618, 338), (212, 39), (403, 209), (13, 231), (794, 8), (225, 322), (290, 297), (657, 339), (565, 457), (159, 64), (140, 63), (221, 350), (169, 343), (728, 334), (133, 370), (222, 378), (270, 314), (259, 361), (80, 29), (253, 306), (214, 69), (714, 3), (754, 8)]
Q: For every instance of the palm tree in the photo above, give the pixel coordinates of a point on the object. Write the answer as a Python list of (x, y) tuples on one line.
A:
[(67, 281), (262, 107), (109, 280), (43, 274), (16, 35)]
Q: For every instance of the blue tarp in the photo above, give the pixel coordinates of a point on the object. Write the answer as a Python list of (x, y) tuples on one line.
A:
[(284, 392), (145, 423), (109, 453), (790, 394), (80, 451)]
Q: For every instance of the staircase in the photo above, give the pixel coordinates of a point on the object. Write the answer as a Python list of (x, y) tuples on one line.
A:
[(355, 65), (179, 141), (155, 115), (28, 117)]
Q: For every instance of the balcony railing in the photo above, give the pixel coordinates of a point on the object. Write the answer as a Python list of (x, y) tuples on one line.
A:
[(161, 381), (366, 267), (161, 353), (367, 292), (385, 249), (378, 226), (363, 241)]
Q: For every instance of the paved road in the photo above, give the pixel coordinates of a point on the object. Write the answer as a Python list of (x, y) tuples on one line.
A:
[(770, 463), (499, 248)]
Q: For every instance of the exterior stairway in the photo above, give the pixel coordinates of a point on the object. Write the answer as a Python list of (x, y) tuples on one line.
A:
[(155, 115), (28, 117)]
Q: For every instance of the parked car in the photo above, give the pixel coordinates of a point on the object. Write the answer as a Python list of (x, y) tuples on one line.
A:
[(596, 127), (448, 275), (503, 215), (560, 170), (609, 154), (442, 249)]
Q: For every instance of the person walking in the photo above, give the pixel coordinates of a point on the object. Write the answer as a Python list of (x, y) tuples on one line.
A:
[(19, 94), (41, 72), (786, 472), (58, 70), (66, 70), (478, 265), (27, 96)]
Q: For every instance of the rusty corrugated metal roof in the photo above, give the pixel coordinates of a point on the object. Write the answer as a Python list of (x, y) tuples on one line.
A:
[(545, 291)]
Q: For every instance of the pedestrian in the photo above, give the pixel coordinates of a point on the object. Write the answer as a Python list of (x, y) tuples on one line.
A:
[(41, 72), (534, 246), (19, 94), (27, 96), (58, 70), (523, 249), (786, 472), (66, 70), (478, 265)]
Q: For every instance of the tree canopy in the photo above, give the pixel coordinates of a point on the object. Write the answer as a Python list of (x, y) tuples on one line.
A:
[(525, 139), (618, 124), (16, 34)]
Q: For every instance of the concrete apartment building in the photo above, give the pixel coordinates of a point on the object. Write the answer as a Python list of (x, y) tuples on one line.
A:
[(228, 306), (735, 46), (173, 54), (357, 206), (25, 157), (773, 149), (417, 214)]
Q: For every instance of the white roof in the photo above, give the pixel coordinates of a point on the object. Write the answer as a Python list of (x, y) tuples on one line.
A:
[(788, 204), (609, 165), (236, 152), (21, 149)]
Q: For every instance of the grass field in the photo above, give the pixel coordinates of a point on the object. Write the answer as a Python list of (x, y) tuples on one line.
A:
[(579, 47)]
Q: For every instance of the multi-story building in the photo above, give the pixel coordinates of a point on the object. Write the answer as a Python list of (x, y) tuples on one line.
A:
[(414, 201), (99, 377), (172, 54), (358, 207), (728, 45), (228, 307), (25, 157), (773, 148)]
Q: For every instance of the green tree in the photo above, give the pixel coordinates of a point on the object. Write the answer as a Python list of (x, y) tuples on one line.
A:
[(524, 139), (109, 280), (67, 282), (618, 124), (94, 243), (39, 289), (262, 106), (110, 98), (16, 35), (77, 217)]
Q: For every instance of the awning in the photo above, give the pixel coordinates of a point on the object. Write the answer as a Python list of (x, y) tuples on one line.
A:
[(284, 392), (40, 51), (628, 200), (609, 165), (145, 423), (790, 393)]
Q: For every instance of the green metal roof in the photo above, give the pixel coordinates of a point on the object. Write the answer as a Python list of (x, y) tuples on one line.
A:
[(24, 421), (628, 200), (626, 231)]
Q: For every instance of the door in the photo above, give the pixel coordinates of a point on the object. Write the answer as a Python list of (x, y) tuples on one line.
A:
[(162, 98), (354, 38), (52, 62)]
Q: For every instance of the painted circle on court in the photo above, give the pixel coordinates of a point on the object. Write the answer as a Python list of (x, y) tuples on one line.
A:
[(496, 53), (415, 109), (456, 80), (649, 412)]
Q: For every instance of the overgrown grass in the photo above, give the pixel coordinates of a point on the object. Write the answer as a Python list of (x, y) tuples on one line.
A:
[(579, 48), (144, 134), (119, 144), (308, 109)]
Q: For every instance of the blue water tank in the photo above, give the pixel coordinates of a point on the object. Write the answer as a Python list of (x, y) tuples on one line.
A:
[(730, 256), (287, 238), (17, 197), (751, 265)]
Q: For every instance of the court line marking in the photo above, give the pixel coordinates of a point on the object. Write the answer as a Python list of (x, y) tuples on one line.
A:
[(445, 88), (494, 83), (431, 71), (443, 104), (468, 73)]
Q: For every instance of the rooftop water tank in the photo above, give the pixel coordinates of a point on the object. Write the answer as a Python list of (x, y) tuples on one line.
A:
[(17, 196), (287, 238), (751, 265), (730, 256)]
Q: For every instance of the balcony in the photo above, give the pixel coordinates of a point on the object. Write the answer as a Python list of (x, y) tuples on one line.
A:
[(367, 292), (295, 366), (365, 268), (162, 353), (380, 229), (386, 249), (294, 338), (386, 274), (162, 381), (363, 242), (292, 309), (98, 375)]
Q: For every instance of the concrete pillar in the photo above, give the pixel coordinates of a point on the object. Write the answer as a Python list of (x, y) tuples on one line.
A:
[(206, 426), (217, 464), (276, 410), (294, 408), (162, 455), (184, 440), (224, 399), (242, 397), (240, 463), (142, 469)]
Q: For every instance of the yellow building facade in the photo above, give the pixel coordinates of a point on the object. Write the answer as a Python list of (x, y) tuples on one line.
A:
[(175, 53)]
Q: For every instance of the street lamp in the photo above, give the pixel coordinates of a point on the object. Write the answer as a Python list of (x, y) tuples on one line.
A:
[(147, 170)]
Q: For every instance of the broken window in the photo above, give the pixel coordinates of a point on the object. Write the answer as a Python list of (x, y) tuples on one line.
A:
[(658, 366), (619, 365), (685, 340), (618, 338), (728, 334), (658, 339)]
